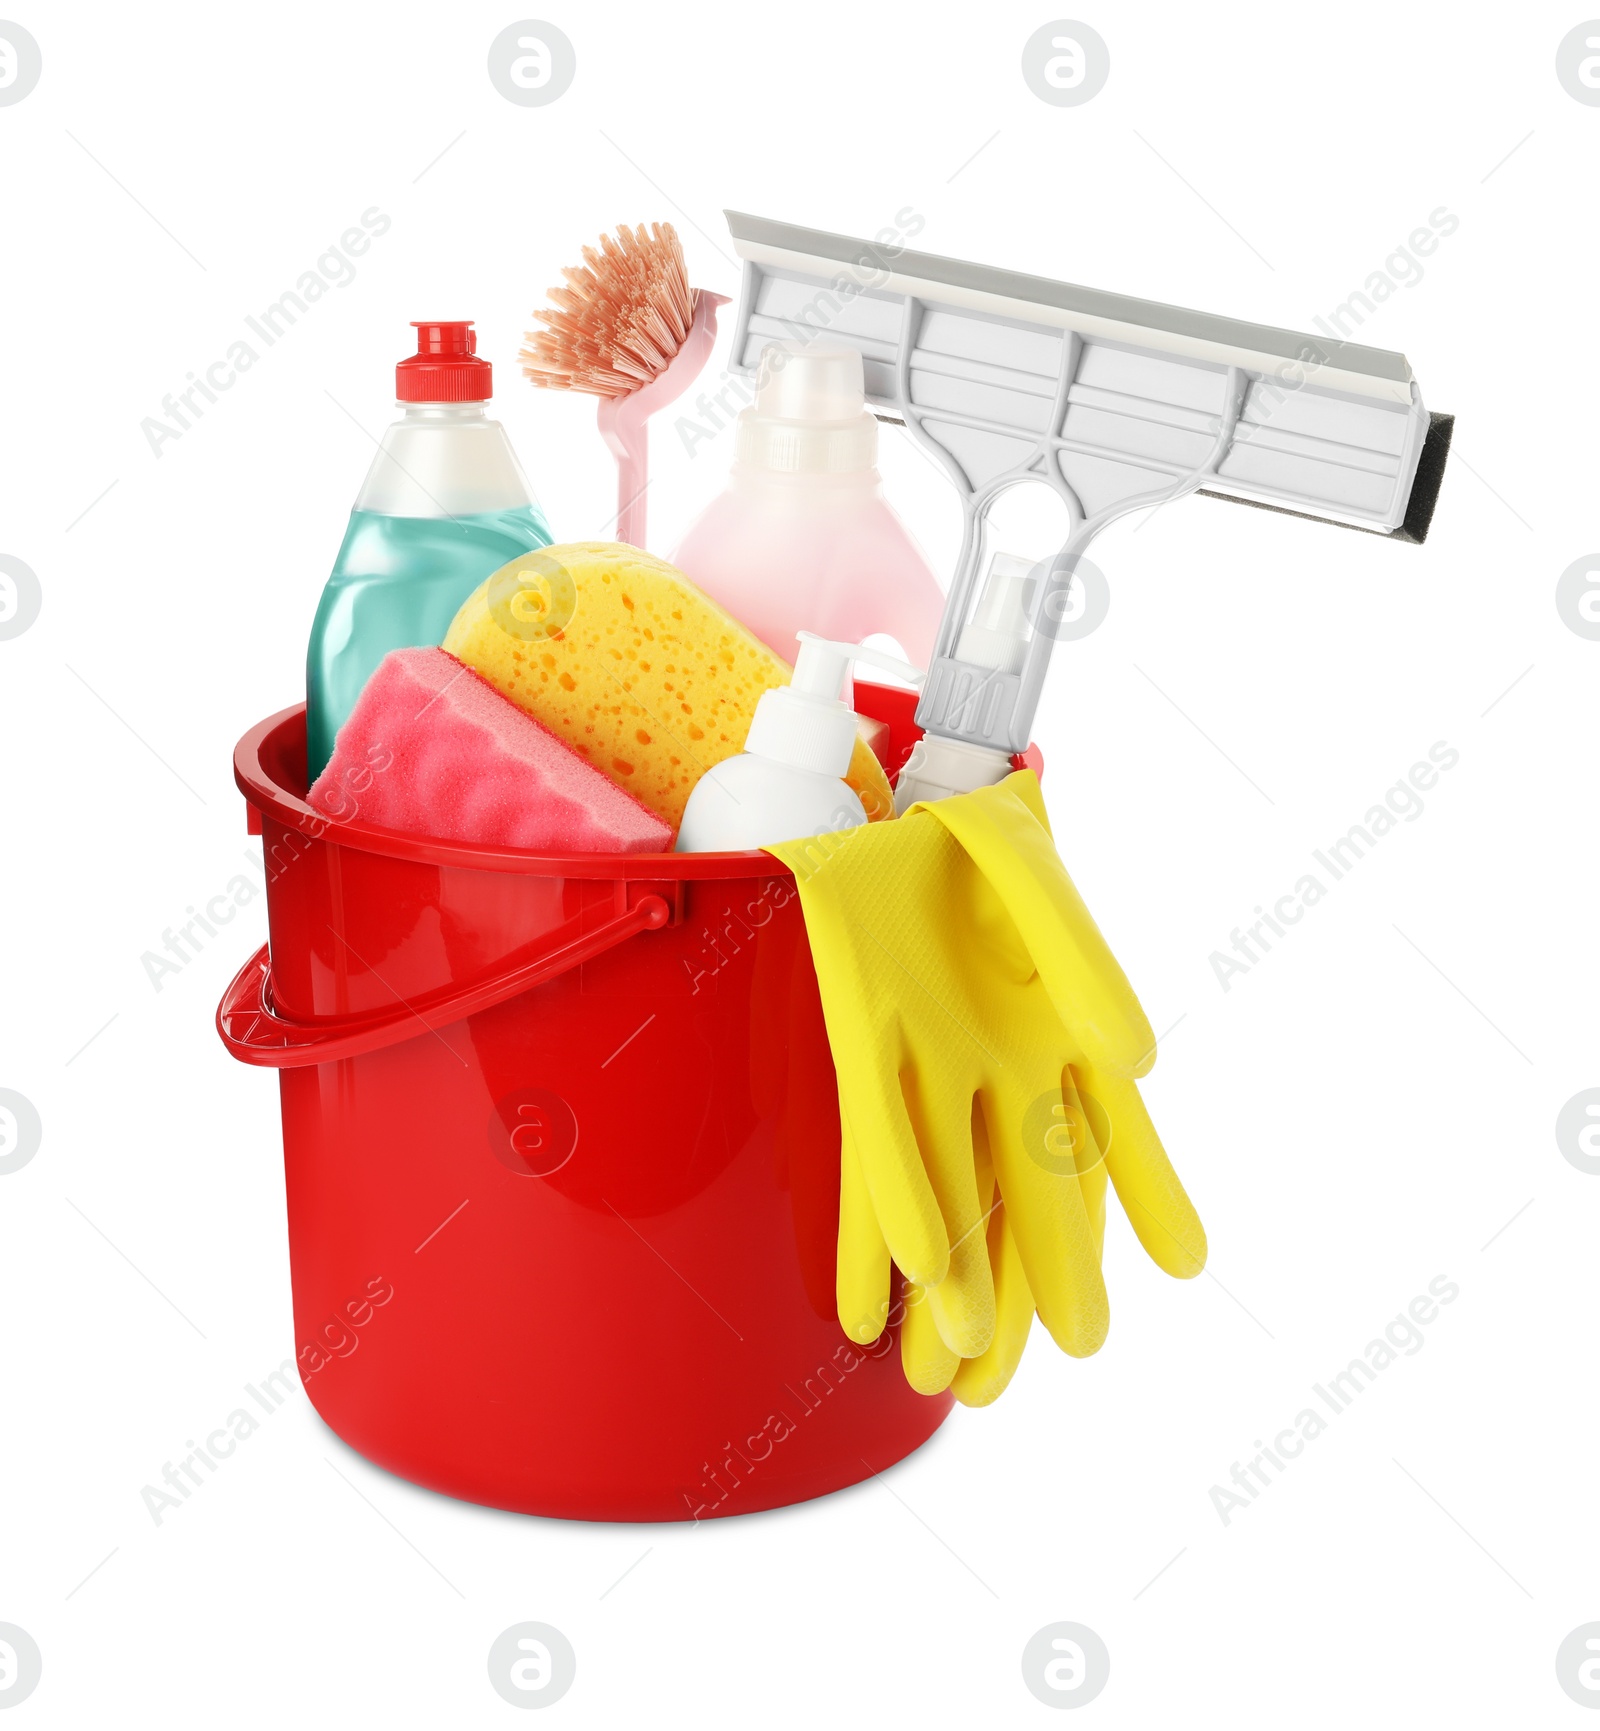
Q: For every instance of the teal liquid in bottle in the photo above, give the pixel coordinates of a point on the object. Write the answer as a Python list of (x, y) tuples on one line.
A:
[(444, 505), (397, 584)]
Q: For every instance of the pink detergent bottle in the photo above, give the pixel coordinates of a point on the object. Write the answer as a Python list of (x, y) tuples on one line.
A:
[(803, 538)]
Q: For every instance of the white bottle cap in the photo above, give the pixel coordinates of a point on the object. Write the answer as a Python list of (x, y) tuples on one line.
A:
[(939, 767), (998, 635), (803, 723), (810, 415)]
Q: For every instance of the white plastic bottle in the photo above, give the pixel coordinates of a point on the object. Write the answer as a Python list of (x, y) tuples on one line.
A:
[(995, 637), (788, 782), (803, 538)]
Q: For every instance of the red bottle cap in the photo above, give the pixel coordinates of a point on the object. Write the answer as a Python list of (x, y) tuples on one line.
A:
[(445, 368)]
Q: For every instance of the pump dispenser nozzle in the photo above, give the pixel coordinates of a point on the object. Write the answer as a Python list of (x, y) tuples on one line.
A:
[(804, 723), (789, 779)]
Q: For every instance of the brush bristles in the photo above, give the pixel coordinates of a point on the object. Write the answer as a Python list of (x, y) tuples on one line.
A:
[(622, 317)]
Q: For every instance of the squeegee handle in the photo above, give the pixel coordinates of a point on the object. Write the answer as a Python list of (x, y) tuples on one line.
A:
[(986, 707)]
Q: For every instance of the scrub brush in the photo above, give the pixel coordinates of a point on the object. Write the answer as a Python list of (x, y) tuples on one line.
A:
[(629, 330)]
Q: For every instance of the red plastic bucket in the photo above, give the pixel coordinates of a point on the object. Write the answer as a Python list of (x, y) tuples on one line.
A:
[(561, 1143)]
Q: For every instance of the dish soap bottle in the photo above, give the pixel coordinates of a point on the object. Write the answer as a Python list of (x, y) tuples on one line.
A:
[(444, 504), (803, 538), (788, 781)]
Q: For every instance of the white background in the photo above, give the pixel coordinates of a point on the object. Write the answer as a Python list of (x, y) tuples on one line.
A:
[(1364, 1110)]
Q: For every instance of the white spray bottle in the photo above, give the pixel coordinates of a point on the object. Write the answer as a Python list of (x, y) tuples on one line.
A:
[(788, 782), (996, 638)]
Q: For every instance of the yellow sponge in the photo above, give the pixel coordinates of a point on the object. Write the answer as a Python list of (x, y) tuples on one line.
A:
[(622, 657)]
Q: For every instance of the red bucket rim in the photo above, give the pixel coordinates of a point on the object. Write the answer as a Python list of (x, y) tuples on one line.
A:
[(268, 793)]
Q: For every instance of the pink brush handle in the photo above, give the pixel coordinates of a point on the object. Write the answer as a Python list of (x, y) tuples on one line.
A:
[(623, 419), (631, 448)]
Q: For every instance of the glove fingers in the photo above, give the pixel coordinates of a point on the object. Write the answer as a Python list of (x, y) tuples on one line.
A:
[(1090, 1158), (862, 1279), (981, 1380), (908, 1213), (1154, 1200), (928, 1363), (962, 1303), (1045, 1206)]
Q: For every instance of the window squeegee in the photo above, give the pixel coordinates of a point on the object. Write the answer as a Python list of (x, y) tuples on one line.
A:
[(1117, 404)]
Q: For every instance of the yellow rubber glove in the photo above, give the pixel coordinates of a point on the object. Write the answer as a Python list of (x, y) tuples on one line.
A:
[(963, 982), (978, 1381)]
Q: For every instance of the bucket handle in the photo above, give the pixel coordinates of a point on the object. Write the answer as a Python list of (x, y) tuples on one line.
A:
[(256, 1034)]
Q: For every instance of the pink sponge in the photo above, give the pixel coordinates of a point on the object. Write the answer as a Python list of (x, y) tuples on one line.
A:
[(433, 749)]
